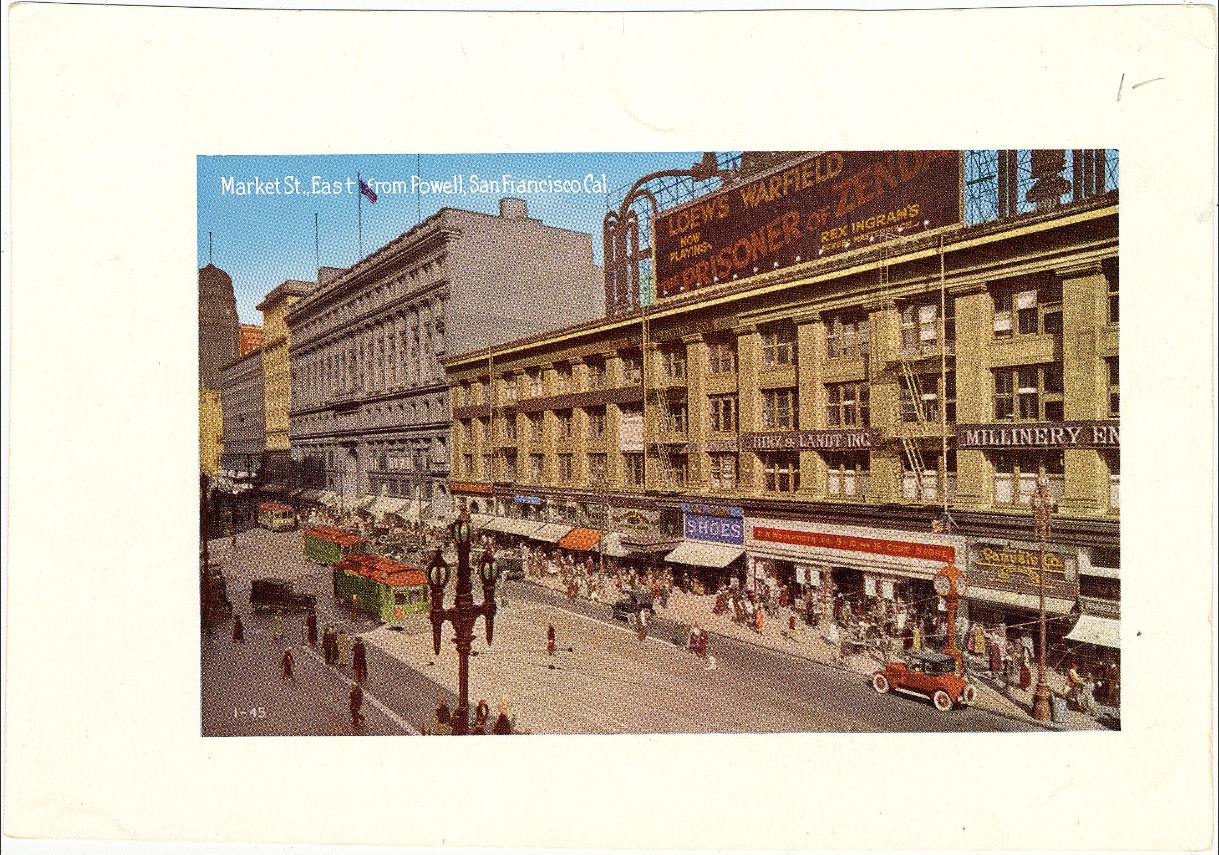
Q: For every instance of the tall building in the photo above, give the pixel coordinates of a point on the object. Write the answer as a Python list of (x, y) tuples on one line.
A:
[(218, 346), (840, 387), (242, 406), (277, 377), (370, 404)]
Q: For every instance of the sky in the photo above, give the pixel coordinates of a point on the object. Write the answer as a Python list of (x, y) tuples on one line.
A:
[(265, 235)]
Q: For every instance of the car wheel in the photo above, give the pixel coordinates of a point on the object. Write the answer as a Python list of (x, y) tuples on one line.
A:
[(880, 683), (942, 702), (969, 695)]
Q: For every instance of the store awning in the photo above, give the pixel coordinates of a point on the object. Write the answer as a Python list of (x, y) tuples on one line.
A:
[(313, 496), (551, 532), (480, 521), (1102, 572), (510, 525), (383, 505), (581, 539), (611, 545), (705, 554), (1101, 631), (1053, 605)]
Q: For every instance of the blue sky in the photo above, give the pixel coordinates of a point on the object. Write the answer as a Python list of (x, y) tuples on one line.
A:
[(266, 236)]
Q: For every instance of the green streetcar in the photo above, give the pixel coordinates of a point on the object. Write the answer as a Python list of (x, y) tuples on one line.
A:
[(390, 590)]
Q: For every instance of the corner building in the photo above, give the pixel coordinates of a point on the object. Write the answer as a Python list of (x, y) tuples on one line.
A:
[(369, 402), (848, 423)]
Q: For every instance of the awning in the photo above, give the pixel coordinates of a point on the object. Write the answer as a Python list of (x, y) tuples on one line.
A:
[(1101, 631), (312, 496), (509, 525), (611, 545), (1032, 602), (551, 532), (1102, 572), (383, 505), (328, 497), (480, 521), (705, 554), (581, 539)]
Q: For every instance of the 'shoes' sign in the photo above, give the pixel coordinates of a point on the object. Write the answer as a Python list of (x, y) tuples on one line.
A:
[(826, 203)]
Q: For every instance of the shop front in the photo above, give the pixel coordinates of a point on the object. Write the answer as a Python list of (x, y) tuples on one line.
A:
[(1004, 596), (712, 550), (832, 569)]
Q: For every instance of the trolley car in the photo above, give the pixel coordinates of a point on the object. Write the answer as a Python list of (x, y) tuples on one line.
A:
[(329, 545), (276, 516), (390, 590)]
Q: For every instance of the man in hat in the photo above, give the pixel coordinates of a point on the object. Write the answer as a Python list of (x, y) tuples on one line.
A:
[(286, 663), (311, 629), (238, 630), (354, 702), (359, 660)]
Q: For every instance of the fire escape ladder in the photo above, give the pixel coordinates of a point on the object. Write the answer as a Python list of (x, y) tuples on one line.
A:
[(913, 455)]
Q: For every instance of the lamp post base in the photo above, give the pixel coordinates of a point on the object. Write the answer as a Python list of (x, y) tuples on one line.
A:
[(1041, 702)]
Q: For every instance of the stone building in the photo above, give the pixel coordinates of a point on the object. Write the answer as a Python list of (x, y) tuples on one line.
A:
[(242, 406), (218, 346), (845, 422), (370, 404), (277, 468)]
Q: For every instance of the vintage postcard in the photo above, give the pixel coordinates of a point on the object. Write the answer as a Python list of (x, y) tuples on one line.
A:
[(753, 441), (725, 407)]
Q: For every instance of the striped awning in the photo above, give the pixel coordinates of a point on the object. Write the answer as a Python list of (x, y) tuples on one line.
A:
[(551, 532), (581, 539), (702, 554)]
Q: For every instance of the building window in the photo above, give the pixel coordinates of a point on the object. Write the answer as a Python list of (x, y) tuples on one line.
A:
[(721, 356), (779, 409), (486, 467), (1113, 460), (596, 468), (535, 468), (596, 422), (1110, 269), (847, 474), (535, 383), (632, 370), (722, 471), (480, 430), (673, 470), (922, 403), (1029, 393), (467, 433), (1016, 475), (563, 424), (673, 364), (566, 470), (509, 388), (535, 427), (1114, 397), (779, 346), (562, 379), (508, 464), (632, 469), (925, 485), (596, 374), (467, 465), (673, 416), (723, 413), (781, 473), (847, 335), (1028, 306), (920, 323), (507, 428), (847, 404)]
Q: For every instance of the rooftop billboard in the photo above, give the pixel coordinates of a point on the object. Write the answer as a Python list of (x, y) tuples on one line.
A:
[(826, 203)]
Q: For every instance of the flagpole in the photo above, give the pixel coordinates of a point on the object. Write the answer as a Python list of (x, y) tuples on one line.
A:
[(359, 218), (317, 252)]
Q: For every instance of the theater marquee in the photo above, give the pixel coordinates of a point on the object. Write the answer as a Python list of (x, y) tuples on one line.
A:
[(823, 204)]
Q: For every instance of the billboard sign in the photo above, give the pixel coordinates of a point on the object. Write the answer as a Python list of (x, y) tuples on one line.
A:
[(830, 202)]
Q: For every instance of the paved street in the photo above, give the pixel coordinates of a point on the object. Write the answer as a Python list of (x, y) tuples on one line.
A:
[(602, 679)]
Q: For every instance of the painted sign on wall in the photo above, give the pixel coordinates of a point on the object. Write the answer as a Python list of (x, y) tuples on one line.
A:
[(715, 523)]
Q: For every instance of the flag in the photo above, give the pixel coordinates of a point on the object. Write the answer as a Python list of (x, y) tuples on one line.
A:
[(367, 192)]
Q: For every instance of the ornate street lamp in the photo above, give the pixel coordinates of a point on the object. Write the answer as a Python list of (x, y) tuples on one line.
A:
[(1042, 505), (464, 613)]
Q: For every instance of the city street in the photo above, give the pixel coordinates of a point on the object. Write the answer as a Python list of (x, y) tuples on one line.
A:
[(601, 679)]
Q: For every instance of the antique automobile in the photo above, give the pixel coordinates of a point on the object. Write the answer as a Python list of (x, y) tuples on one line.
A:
[(632, 602), (278, 594), (510, 567), (930, 674)]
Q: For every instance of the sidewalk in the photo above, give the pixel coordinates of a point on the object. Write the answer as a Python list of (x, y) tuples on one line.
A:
[(806, 642)]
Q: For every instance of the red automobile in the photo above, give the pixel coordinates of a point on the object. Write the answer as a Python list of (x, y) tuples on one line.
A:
[(932, 675)]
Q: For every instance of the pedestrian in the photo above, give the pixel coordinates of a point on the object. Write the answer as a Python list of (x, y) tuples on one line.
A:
[(916, 637), (503, 724), (238, 630), (996, 655), (328, 645), (550, 639), (311, 628), (340, 649), (979, 640), (481, 713), (442, 726), (277, 626), (359, 660), (757, 621), (641, 625), (354, 702), (286, 664)]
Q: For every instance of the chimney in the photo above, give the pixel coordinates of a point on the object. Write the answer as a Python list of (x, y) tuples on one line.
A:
[(513, 209)]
